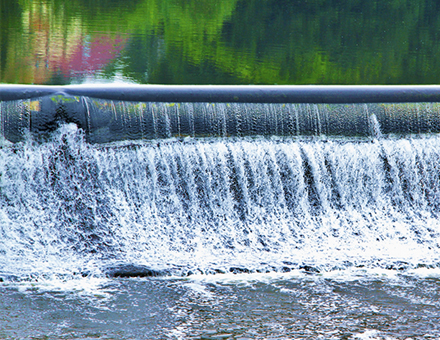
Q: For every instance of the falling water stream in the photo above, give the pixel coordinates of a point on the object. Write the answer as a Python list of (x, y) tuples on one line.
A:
[(154, 221)]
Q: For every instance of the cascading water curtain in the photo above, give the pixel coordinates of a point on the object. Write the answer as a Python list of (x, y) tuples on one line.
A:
[(95, 186)]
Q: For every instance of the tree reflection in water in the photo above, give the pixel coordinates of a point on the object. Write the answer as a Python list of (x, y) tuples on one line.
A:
[(217, 42)]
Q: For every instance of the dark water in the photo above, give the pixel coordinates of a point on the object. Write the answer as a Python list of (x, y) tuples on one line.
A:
[(220, 41), (105, 121)]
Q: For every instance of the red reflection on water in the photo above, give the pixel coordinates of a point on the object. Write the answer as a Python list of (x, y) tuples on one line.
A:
[(91, 55), (55, 48)]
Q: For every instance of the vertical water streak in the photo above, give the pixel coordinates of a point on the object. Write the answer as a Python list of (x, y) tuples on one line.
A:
[(375, 127), (297, 130), (2, 123), (87, 111), (191, 119), (317, 120), (311, 179)]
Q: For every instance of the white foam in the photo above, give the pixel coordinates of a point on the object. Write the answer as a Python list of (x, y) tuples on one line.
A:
[(194, 206)]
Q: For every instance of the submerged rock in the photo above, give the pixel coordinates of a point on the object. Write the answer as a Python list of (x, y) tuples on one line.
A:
[(132, 270)]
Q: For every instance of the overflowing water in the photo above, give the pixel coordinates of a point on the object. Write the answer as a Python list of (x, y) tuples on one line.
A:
[(219, 205), (105, 121), (299, 233)]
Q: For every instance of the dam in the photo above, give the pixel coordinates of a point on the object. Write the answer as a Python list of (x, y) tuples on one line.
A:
[(239, 180), (115, 113), (106, 186)]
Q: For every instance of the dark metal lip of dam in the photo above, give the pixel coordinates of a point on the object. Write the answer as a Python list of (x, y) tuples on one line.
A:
[(326, 94)]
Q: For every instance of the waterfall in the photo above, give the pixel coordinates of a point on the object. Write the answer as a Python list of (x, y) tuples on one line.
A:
[(181, 206)]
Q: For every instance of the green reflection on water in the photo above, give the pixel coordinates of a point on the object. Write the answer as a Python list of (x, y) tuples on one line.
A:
[(220, 41)]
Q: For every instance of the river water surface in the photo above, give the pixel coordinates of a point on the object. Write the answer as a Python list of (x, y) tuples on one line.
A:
[(317, 222)]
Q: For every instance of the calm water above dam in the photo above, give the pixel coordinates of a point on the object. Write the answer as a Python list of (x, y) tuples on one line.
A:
[(220, 41)]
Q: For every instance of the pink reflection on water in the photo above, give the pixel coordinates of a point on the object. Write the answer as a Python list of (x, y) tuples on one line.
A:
[(55, 46), (92, 55)]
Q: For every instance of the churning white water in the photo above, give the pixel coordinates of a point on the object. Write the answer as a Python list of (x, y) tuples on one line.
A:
[(188, 206)]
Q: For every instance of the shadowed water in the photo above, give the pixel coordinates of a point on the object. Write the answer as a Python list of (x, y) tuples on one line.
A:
[(105, 121)]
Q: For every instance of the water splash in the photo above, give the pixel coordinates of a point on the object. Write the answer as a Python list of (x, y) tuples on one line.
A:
[(217, 205)]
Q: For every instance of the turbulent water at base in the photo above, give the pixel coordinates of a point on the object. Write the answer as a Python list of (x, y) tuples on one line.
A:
[(181, 207), (246, 238)]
